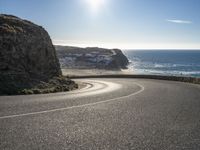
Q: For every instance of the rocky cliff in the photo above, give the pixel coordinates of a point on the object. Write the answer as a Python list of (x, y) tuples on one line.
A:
[(26, 54), (91, 58)]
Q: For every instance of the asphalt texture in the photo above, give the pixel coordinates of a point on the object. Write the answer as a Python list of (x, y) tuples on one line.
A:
[(108, 114)]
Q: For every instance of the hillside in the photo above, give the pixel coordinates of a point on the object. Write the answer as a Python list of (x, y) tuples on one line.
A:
[(91, 58)]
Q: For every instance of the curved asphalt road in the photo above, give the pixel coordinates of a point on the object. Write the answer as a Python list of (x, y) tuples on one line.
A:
[(106, 114)]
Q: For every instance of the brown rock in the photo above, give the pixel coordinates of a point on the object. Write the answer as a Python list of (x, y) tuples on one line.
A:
[(26, 54)]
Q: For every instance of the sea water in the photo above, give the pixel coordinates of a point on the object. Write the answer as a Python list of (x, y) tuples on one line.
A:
[(165, 62)]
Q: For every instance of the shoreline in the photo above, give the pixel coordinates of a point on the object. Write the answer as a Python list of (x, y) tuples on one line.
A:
[(136, 76), (96, 73), (72, 72), (85, 72)]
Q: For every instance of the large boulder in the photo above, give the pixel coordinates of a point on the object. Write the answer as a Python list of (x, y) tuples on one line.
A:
[(26, 54)]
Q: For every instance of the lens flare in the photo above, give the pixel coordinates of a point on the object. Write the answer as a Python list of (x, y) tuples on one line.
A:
[(95, 5)]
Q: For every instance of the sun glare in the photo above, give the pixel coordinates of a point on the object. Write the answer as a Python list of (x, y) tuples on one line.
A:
[(95, 5)]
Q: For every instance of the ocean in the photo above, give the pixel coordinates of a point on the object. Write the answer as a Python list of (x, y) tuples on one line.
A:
[(164, 62)]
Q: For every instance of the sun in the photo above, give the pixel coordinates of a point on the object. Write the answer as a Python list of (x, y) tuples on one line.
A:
[(95, 5)]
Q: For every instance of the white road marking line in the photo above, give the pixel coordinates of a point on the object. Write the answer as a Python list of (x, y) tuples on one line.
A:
[(72, 107)]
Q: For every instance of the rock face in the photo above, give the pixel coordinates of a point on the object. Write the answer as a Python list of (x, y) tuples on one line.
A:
[(26, 54), (91, 58)]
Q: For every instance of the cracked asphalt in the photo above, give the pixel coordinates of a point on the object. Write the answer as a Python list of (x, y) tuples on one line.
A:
[(109, 114)]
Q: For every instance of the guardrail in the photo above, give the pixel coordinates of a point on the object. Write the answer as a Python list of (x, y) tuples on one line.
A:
[(157, 77)]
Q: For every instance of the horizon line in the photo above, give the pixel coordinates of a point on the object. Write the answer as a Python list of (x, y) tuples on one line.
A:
[(128, 48), (113, 45)]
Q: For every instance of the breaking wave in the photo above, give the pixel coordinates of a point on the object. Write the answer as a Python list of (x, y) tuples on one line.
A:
[(178, 63)]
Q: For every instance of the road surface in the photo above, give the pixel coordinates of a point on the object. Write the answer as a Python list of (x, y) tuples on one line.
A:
[(106, 114)]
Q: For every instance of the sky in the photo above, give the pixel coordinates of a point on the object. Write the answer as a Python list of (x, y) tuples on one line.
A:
[(126, 24)]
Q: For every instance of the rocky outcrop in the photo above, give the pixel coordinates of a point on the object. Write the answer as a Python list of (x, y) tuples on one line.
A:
[(26, 54), (119, 60), (91, 58)]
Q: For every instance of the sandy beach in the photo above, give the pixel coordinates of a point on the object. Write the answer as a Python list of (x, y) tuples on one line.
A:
[(69, 72)]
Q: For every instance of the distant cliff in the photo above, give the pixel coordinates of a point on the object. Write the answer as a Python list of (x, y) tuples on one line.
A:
[(27, 55), (91, 58)]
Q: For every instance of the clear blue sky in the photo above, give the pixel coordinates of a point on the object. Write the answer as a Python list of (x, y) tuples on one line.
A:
[(114, 23)]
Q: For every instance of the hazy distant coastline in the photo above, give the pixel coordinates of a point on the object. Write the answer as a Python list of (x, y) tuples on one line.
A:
[(147, 62)]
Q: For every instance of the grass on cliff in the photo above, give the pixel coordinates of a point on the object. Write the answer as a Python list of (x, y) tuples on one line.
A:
[(57, 84)]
